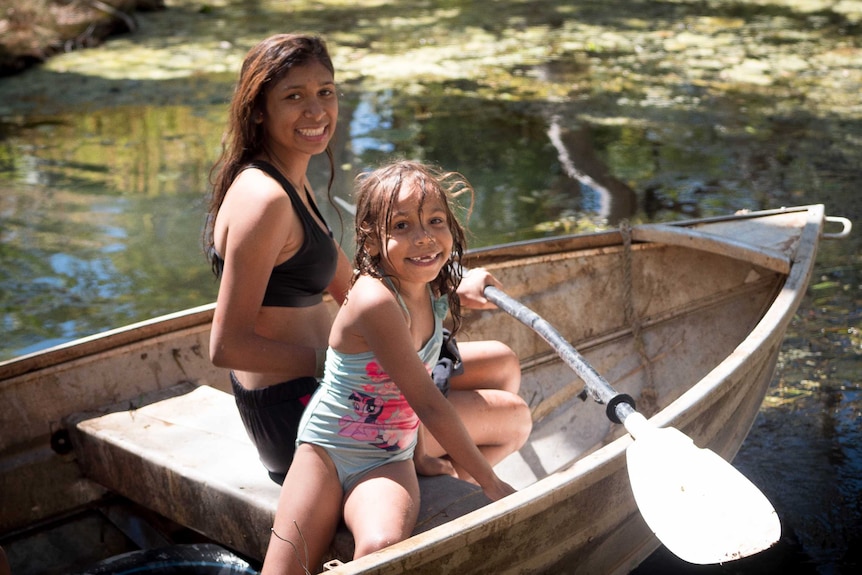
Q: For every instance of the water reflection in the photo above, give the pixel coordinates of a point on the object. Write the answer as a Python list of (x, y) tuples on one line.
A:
[(98, 217), (614, 200)]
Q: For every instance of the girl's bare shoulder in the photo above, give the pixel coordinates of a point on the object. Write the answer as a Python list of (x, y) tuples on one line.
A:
[(369, 310), (258, 204), (255, 186), (370, 293), (373, 303)]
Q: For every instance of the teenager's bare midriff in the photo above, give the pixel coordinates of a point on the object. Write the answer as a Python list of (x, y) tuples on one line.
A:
[(302, 326)]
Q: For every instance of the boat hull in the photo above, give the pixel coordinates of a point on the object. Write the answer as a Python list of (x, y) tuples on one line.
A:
[(687, 319)]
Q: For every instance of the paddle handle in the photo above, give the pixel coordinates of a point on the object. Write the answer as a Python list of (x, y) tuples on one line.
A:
[(619, 406)]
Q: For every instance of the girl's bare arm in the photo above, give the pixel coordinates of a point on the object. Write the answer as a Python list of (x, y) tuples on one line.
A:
[(379, 321)]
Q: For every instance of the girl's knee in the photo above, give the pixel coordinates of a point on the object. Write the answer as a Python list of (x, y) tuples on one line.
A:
[(522, 422), (371, 542), (508, 369), (510, 419)]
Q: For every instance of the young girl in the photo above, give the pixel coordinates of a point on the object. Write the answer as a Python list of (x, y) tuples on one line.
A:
[(354, 456)]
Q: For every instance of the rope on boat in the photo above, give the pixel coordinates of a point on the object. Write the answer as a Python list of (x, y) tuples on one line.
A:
[(648, 395)]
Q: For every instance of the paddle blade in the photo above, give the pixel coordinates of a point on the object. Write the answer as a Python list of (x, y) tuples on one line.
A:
[(697, 504)]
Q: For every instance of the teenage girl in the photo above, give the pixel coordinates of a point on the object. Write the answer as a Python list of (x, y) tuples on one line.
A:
[(275, 257), (354, 456)]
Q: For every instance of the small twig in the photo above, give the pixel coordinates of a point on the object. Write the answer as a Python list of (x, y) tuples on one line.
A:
[(295, 552)]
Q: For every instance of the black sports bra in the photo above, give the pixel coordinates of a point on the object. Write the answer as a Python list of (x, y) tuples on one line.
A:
[(301, 280)]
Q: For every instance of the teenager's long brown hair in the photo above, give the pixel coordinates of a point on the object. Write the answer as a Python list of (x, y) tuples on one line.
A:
[(376, 194), (243, 140)]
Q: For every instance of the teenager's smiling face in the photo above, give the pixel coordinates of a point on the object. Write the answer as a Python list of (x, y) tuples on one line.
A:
[(419, 241), (302, 109)]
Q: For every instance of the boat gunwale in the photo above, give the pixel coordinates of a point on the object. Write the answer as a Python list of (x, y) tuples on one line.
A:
[(607, 238), (105, 341)]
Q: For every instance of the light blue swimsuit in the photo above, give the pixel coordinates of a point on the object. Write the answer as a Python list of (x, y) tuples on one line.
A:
[(359, 415)]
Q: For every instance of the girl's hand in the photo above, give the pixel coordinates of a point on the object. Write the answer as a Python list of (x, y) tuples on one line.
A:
[(497, 489), (471, 289), (429, 466)]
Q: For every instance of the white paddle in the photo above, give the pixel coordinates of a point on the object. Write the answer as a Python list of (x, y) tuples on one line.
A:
[(697, 504)]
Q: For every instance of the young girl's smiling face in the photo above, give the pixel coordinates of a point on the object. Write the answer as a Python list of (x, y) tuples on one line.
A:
[(418, 242)]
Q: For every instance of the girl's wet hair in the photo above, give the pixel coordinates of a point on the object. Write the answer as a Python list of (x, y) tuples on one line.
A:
[(244, 138), (375, 197)]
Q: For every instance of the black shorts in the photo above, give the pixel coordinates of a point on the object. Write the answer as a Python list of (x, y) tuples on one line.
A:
[(271, 417), (449, 363)]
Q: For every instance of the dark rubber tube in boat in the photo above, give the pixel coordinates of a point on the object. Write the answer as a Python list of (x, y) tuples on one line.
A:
[(193, 559)]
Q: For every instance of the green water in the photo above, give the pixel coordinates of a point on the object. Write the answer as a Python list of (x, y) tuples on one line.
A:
[(566, 117)]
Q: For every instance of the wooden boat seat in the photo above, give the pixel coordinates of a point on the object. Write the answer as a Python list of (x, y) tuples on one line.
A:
[(184, 453)]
